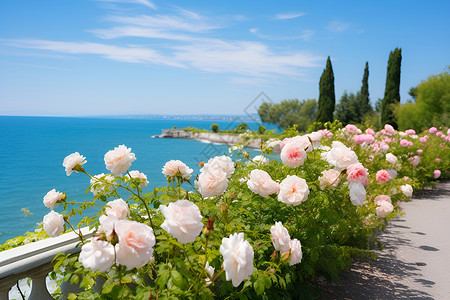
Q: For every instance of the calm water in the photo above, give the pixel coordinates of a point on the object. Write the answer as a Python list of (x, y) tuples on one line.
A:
[(32, 150)]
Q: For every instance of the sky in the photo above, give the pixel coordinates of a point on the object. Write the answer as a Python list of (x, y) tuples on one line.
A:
[(124, 57)]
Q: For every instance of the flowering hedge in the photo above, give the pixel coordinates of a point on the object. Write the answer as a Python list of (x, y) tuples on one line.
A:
[(245, 227)]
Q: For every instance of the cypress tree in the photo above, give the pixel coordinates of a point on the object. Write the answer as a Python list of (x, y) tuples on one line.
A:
[(327, 98), (392, 90), (364, 101)]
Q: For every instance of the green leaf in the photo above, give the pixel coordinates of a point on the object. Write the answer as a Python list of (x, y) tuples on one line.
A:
[(108, 288), (179, 280), (72, 296)]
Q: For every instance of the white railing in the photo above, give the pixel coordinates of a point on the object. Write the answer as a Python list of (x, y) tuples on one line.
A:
[(35, 261)]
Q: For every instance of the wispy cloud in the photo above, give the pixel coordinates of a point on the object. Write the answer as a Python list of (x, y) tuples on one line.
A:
[(304, 35), (288, 16), (338, 26), (141, 2)]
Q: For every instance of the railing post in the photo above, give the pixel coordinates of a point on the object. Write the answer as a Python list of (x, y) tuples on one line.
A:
[(39, 289)]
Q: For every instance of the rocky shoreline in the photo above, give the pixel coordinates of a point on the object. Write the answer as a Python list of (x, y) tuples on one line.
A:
[(225, 139)]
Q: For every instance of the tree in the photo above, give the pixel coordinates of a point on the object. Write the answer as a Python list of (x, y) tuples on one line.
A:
[(215, 128), (289, 112), (347, 110), (327, 98), (364, 106), (431, 107), (391, 98)]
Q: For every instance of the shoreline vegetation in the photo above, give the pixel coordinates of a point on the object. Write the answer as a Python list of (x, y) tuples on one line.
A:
[(228, 138)]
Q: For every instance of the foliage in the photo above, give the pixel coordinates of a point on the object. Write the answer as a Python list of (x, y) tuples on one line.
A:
[(215, 128), (392, 90), (241, 128), (289, 112), (432, 104), (347, 110), (261, 129), (329, 226), (327, 98)]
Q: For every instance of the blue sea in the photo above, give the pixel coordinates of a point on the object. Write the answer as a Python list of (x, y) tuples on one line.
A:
[(32, 150)]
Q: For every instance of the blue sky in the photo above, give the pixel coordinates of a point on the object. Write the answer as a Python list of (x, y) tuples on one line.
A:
[(110, 57)]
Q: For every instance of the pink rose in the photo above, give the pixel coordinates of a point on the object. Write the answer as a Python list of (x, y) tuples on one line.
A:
[(117, 209), (53, 223), (356, 173), (213, 182), (142, 177), (73, 160), (384, 209), (439, 134), (359, 138), (280, 237), (423, 140), (51, 198), (261, 183), (384, 147), (293, 190), (368, 138), (182, 220), (136, 241), (119, 160), (437, 160), (391, 158), (174, 168), (380, 198), (410, 131), (351, 128), (296, 252), (383, 176), (437, 173), (370, 131), (329, 178), (420, 151), (389, 129), (433, 130), (293, 155), (326, 133), (404, 143)]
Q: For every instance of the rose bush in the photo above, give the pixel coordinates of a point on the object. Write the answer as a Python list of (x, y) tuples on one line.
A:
[(243, 228)]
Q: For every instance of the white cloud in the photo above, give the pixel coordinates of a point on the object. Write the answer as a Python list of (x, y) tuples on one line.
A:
[(142, 2), (304, 35), (288, 16), (338, 26), (165, 22), (253, 30), (136, 31)]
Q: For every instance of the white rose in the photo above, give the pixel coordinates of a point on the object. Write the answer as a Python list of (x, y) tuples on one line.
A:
[(237, 258), (107, 224), (100, 184), (142, 177), (176, 168), (407, 190), (213, 182), (51, 198), (293, 155), (391, 158), (53, 223), (119, 160), (392, 173), (118, 209), (97, 255), (340, 156), (183, 220), (384, 209), (260, 159), (315, 138), (357, 193), (296, 252), (220, 162), (136, 241), (329, 178), (293, 190), (261, 183), (73, 160), (280, 237), (210, 270)]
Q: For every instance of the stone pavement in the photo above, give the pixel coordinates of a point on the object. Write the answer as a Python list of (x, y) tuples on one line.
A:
[(415, 261)]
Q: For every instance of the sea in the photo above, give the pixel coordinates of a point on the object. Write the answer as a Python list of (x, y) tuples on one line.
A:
[(32, 150)]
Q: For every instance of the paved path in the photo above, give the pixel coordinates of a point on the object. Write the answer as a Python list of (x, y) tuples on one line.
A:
[(415, 261)]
